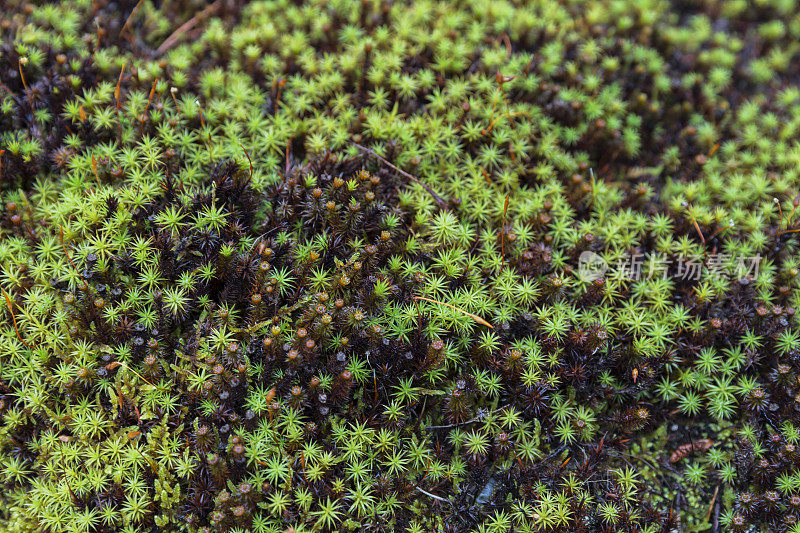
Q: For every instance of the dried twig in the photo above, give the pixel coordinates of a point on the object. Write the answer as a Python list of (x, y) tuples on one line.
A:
[(476, 318), (434, 496), (115, 364), (186, 26), (439, 199), (448, 426), (250, 177), (711, 506)]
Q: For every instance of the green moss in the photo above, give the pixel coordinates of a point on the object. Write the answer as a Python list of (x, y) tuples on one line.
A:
[(324, 267)]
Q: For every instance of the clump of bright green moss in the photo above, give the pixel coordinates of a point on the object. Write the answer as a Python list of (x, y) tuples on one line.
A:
[(275, 266)]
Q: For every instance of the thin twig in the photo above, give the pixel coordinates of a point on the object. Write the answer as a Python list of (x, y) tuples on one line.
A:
[(115, 364), (711, 506), (476, 318), (250, 178), (186, 26), (439, 199), (453, 425)]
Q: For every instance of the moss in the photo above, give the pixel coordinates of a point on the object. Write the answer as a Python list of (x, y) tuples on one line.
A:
[(376, 266)]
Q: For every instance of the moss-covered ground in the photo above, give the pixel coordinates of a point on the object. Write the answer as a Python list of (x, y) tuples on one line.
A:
[(370, 265)]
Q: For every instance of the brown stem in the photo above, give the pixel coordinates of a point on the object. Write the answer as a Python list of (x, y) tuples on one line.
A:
[(186, 26), (439, 199)]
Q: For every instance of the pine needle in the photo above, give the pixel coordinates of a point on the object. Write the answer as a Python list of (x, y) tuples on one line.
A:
[(476, 318), (115, 364)]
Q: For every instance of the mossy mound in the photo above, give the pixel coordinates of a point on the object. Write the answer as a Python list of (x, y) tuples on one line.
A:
[(369, 266)]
